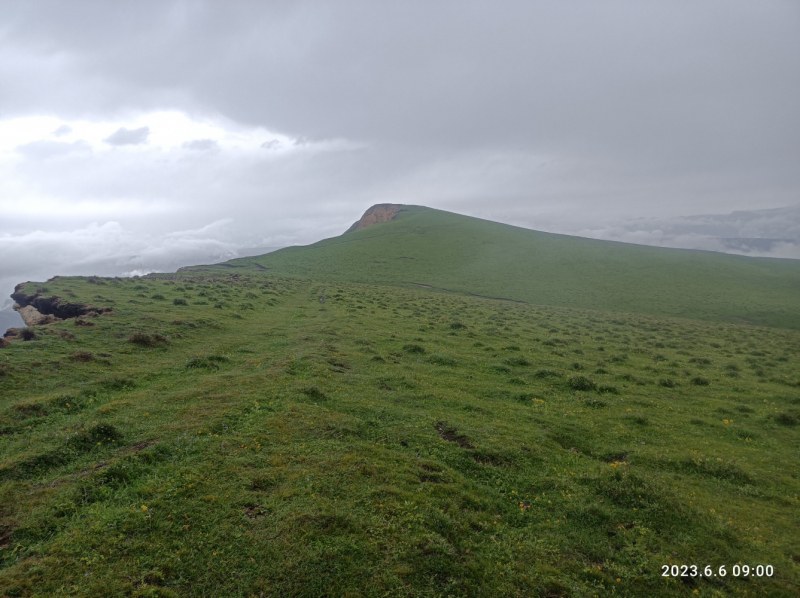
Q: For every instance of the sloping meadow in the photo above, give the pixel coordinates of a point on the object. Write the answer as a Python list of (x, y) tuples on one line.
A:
[(253, 435)]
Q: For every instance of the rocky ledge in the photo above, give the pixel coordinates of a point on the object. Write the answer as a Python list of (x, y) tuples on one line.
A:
[(38, 309)]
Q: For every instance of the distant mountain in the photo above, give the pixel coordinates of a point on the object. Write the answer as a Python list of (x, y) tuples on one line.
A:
[(423, 247)]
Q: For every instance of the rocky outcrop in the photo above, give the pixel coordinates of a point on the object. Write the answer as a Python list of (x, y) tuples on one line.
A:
[(38, 309), (382, 212), (33, 317)]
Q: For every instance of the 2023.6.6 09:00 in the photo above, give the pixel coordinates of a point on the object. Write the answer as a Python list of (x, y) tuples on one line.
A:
[(721, 571)]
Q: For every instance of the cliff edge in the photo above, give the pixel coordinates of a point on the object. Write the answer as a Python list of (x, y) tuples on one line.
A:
[(381, 212), (38, 309)]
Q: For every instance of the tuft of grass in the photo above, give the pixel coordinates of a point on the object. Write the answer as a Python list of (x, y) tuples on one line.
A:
[(117, 383), (442, 359), (95, 436), (82, 356), (207, 362), (581, 383), (547, 373), (312, 392), (608, 389), (517, 361), (700, 361), (413, 348), (595, 404), (148, 340)]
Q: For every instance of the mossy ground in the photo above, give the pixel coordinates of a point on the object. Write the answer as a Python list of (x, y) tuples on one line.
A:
[(390, 442)]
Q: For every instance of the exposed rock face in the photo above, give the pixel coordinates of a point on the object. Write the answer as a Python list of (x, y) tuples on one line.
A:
[(38, 309), (33, 317), (382, 212)]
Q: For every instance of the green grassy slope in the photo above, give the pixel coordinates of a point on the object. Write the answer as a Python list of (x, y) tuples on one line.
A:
[(468, 255), (234, 437)]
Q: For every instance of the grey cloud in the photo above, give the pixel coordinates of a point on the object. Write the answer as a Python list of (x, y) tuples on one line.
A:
[(566, 75), (123, 136), (201, 145), (61, 131)]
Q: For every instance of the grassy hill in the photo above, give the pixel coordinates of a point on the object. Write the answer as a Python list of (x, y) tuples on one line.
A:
[(229, 435), (467, 255)]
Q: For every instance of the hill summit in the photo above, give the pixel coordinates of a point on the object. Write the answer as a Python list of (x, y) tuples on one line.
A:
[(381, 212)]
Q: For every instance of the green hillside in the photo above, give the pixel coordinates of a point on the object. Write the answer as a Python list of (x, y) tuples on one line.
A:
[(234, 437), (471, 256)]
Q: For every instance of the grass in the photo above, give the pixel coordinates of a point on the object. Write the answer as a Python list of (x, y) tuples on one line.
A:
[(367, 446), (468, 256)]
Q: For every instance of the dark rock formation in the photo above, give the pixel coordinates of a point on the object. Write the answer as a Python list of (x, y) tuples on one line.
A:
[(38, 309)]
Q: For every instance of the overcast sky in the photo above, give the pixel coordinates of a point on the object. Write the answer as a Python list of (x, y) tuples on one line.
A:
[(147, 135)]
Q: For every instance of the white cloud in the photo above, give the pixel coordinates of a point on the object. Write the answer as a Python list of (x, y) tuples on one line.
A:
[(165, 129), (190, 169)]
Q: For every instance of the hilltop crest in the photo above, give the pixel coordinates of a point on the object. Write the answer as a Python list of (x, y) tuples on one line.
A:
[(381, 212)]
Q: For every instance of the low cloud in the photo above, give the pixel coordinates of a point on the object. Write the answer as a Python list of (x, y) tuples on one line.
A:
[(771, 233), (203, 145), (123, 136), (110, 249)]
